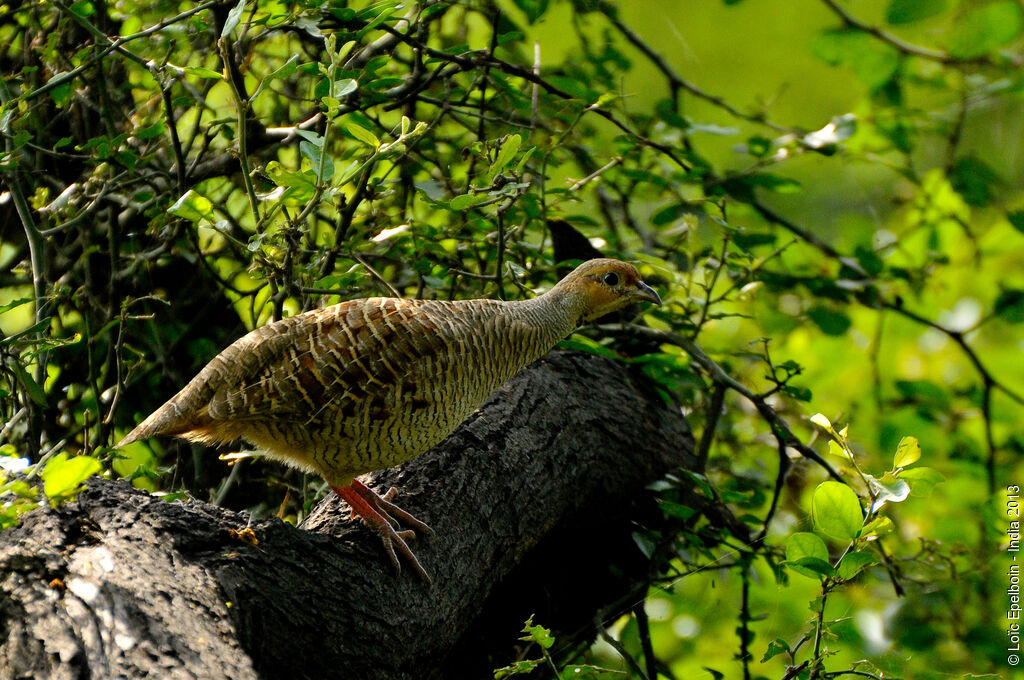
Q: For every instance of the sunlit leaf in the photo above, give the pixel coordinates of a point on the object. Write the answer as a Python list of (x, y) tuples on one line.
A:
[(822, 421), (837, 449), (193, 207), (234, 16), (908, 452), (508, 151), (203, 72), (836, 512), (467, 201), (887, 489), (775, 647), (852, 563), (879, 526), (62, 475), (538, 634), (807, 554), (362, 134)]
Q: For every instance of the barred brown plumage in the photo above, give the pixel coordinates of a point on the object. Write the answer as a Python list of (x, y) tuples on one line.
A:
[(371, 383)]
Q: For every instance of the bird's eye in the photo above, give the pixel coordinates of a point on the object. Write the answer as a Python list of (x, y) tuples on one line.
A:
[(611, 279)]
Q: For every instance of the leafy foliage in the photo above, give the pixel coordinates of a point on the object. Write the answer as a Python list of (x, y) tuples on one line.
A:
[(837, 228)]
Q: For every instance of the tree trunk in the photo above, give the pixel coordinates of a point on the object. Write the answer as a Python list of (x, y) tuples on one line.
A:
[(534, 500)]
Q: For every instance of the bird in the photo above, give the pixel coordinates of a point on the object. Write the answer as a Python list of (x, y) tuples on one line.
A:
[(371, 383)]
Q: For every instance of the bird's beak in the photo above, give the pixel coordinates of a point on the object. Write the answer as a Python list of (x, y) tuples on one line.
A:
[(645, 292)]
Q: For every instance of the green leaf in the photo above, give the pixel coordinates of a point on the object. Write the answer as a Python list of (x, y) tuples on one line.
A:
[(837, 449), (811, 567), (852, 563), (533, 9), (379, 18), (822, 421), (670, 213), (343, 88), (151, 131), (505, 155), (922, 480), (312, 152), (286, 70), (924, 393), (752, 239), (872, 61), (203, 72), (1009, 305), (362, 134), (830, 321), (779, 185), (888, 489), (234, 16), (39, 327), (83, 8), (984, 28), (193, 207), (807, 554), (15, 303), (797, 392), (34, 389), (836, 511), (678, 510), (877, 527), (467, 201), (519, 667), (775, 647), (539, 634), (644, 542), (909, 11), (1016, 219), (974, 181), (908, 452), (805, 544), (62, 475), (524, 159)]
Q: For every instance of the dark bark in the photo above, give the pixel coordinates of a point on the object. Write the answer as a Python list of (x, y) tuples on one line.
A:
[(534, 500)]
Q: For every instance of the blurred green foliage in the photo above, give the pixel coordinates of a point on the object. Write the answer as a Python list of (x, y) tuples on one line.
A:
[(827, 195)]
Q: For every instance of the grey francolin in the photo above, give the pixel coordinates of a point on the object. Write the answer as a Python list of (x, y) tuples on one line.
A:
[(370, 383)]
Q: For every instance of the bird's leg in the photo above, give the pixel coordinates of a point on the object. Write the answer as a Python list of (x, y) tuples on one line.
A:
[(377, 513)]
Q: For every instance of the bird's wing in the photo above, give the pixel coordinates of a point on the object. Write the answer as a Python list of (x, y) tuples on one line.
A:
[(330, 360)]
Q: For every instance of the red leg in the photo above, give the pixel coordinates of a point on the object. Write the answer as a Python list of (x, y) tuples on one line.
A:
[(379, 514)]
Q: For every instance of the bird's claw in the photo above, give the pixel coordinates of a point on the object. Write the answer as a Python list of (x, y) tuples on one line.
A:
[(379, 513)]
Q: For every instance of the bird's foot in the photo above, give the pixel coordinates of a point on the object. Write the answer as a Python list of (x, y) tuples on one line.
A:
[(393, 510), (379, 513)]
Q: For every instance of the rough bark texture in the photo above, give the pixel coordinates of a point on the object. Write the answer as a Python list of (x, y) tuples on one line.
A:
[(534, 500)]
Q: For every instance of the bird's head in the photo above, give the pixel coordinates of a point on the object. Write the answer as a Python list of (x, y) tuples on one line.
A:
[(604, 286)]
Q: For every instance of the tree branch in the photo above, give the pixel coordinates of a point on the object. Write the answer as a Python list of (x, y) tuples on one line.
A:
[(534, 501)]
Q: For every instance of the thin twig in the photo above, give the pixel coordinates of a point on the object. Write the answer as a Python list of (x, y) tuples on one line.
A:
[(578, 184), (902, 45), (780, 429), (237, 84)]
